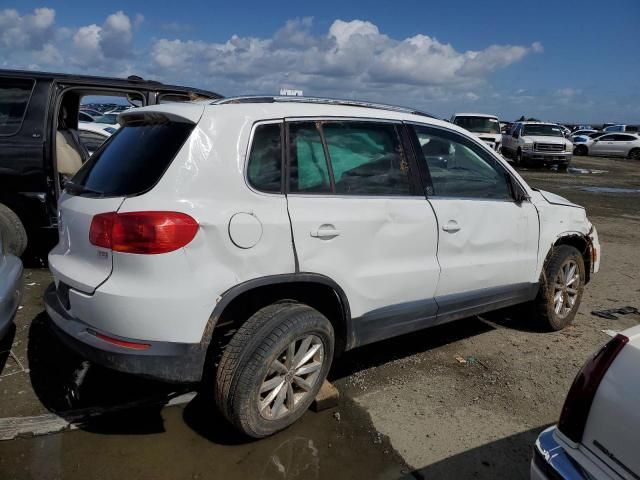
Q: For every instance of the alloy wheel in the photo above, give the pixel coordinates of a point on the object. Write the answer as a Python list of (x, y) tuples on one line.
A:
[(291, 377), (565, 288)]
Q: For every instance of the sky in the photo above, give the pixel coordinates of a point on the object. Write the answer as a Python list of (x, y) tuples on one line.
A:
[(562, 61)]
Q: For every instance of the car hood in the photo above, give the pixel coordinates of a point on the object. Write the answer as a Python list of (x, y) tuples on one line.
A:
[(494, 136), (543, 139), (557, 199)]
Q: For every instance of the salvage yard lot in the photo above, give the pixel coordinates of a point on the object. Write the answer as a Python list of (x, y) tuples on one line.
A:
[(463, 400)]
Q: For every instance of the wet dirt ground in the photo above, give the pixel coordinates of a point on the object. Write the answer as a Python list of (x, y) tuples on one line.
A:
[(409, 407)]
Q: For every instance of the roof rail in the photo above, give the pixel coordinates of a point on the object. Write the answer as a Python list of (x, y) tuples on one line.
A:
[(318, 100)]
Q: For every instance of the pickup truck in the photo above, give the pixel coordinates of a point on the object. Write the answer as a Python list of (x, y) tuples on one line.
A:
[(485, 127), (537, 143)]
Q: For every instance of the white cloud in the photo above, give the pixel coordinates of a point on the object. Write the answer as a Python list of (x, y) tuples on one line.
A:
[(29, 32), (138, 21), (351, 58), (94, 44), (353, 55), (567, 92)]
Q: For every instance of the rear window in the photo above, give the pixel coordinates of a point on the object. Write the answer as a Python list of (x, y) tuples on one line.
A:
[(14, 98), (132, 161)]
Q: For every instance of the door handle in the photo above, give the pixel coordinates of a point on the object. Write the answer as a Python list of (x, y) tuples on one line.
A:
[(451, 226), (325, 232)]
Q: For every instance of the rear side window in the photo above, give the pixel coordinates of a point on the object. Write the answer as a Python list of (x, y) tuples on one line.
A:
[(132, 161), (367, 159), (265, 160), (14, 98), (308, 170)]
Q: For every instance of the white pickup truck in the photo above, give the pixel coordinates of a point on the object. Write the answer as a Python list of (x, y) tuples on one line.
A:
[(537, 143), (485, 127)]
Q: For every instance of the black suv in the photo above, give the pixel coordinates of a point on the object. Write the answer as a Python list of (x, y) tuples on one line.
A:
[(35, 108)]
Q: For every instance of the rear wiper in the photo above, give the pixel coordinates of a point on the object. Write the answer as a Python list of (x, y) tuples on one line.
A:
[(81, 189)]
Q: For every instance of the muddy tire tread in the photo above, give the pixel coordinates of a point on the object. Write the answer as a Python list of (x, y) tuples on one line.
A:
[(543, 311), (15, 235), (249, 348)]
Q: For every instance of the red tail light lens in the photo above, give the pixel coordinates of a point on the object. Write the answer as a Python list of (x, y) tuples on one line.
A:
[(142, 232), (575, 411)]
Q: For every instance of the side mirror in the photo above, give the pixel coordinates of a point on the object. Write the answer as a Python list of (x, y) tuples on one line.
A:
[(521, 197)]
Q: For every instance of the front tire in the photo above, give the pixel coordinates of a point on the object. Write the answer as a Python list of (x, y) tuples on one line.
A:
[(581, 150), (561, 288), (273, 368), (634, 154), (13, 232)]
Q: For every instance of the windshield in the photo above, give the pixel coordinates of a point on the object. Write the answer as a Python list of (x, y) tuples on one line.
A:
[(110, 118), (478, 124), (543, 130)]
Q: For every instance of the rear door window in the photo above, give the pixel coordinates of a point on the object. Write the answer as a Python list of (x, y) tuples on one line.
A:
[(308, 166), (14, 98), (367, 158), (132, 161)]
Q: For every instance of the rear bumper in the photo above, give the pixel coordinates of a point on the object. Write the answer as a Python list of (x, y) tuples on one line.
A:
[(552, 462), (167, 361), (11, 288)]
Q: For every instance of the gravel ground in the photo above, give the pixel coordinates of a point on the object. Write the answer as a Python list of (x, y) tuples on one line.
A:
[(445, 418)]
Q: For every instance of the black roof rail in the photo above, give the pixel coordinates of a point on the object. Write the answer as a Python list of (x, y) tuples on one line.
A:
[(321, 101)]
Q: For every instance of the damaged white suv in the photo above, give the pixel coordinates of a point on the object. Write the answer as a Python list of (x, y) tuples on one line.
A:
[(249, 241)]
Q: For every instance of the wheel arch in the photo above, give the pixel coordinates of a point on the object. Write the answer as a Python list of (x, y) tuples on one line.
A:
[(579, 241), (318, 291)]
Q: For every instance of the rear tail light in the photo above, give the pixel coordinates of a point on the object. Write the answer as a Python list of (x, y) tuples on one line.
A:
[(142, 232), (575, 411)]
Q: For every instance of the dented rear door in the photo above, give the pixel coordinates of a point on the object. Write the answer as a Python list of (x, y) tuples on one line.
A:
[(360, 224)]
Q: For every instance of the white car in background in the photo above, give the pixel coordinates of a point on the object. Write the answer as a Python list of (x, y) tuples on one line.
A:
[(107, 120), (93, 136), (485, 127), (585, 132), (598, 435), (621, 128), (611, 145)]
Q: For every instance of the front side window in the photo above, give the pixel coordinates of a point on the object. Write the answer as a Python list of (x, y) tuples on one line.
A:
[(367, 158), (14, 98), (459, 168), (265, 160)]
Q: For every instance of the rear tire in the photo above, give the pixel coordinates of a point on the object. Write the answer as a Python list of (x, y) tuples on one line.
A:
[(518, 159), (581, 150), (561, 288), (13, 233), (634, 154), (260, 385)]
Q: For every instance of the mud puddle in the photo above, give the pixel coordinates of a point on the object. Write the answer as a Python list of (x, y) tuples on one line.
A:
[(193, 443), (584, 171), (610, 190)]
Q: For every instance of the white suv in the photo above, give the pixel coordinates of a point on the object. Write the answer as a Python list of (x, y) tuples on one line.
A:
[(251, 240), (537, 143)]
